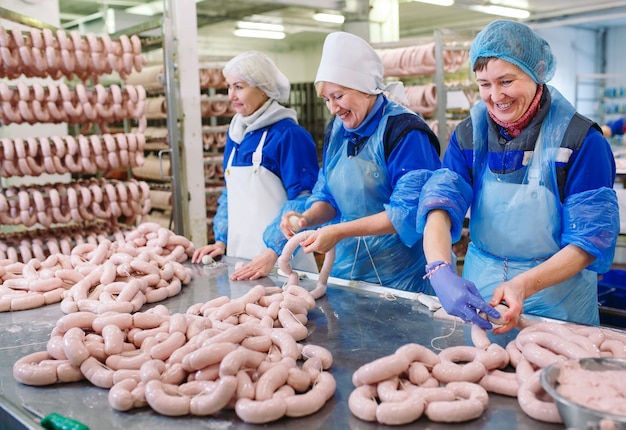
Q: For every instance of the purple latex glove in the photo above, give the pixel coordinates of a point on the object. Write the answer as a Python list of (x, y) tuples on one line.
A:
[(458, 296)]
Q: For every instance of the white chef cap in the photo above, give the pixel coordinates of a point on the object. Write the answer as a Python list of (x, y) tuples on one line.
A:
[(258, 70), (351, 62)]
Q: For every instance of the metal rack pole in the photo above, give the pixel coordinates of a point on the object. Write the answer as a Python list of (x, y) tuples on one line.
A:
[(184, 122), (442, 99)]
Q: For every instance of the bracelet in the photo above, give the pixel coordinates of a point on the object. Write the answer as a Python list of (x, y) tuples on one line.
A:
[(433, 267)]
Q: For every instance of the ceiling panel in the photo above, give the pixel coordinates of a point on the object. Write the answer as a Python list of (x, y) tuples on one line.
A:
[(415, 19)]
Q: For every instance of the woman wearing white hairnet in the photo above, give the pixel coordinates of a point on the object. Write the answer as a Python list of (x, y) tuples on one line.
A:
[(270, 165), (377, 155), (538, 178)]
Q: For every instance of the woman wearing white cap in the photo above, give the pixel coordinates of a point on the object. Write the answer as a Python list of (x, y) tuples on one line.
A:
[(377, 155), (538, 178), (270, 166)]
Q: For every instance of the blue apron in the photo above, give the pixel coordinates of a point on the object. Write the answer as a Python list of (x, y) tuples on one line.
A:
[(361, 186), (515, 224)]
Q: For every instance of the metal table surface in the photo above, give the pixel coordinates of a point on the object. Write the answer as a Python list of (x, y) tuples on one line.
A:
[(356, 323)]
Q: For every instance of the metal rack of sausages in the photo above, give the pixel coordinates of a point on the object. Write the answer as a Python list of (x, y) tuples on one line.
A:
[(431, 68), (40, 220), (216, 112), (229, 354)]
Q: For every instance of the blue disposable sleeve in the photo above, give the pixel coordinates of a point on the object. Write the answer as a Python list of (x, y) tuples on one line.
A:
[(448, 191), (220, 219), (403, 204), (273, 237), (591, 222)]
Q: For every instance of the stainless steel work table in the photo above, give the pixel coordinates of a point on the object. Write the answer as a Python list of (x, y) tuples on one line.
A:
[(356, 323)]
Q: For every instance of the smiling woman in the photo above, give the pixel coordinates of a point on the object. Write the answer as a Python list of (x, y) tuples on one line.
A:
[(521, 160), (270, 165), (377, 155)]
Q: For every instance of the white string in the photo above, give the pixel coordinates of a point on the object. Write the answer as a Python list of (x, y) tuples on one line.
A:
[(356, 253), (21, 346), (432, 342)]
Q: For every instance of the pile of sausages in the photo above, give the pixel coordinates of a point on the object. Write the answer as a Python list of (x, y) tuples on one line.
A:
[(41, 243), (122, 275), (35, 156), (541, 344), (56, 54), (242, 354), (79, 201), (59, 103), (453, 385)]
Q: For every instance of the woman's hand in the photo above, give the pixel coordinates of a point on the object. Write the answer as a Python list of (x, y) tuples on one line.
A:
[(260, 266), (291, 223), (214, 250), (512, 293), (458, 296), (321, 240)]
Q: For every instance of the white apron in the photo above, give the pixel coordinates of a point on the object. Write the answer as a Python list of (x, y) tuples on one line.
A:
[(255, 197)]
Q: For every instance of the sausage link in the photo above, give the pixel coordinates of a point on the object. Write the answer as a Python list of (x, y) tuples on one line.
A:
[(314, 399)]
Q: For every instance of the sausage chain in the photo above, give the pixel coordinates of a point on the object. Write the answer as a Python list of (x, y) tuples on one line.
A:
[(79, 201), (212, 78), (77, 105), (80, 154), (419, 60), (56, 54), (216, 106), (213, 137), (414, 381)]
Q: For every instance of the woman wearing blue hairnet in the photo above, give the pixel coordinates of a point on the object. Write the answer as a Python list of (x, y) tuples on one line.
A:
[(538, 180), (377, 155), (270, 166)]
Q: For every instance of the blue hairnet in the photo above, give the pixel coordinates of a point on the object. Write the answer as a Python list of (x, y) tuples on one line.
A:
[(517, 44), (591, 222)]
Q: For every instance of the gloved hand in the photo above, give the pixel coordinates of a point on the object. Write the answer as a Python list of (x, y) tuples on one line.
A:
[(458, 296)]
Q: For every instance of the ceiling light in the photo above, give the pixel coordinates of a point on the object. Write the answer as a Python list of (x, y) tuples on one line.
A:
[(437, 2), (253, 25), (149, 9), (262, 34), (329, 17), (501, 11)]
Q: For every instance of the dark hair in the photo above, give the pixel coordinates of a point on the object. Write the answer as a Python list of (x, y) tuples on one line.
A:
[(481, 62)]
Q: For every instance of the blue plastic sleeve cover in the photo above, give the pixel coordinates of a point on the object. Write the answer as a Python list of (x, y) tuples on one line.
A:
[(403, 204), (591, 222), (273, 237), (448, 191)]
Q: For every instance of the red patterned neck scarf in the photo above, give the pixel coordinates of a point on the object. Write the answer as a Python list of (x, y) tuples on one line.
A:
[(515, 128)]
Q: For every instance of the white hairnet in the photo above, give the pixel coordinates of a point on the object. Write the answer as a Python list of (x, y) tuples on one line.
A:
[(517, 44), (351, 62), (258, 70)]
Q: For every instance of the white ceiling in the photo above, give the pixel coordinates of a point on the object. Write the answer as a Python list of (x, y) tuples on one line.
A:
[(415, 19)]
